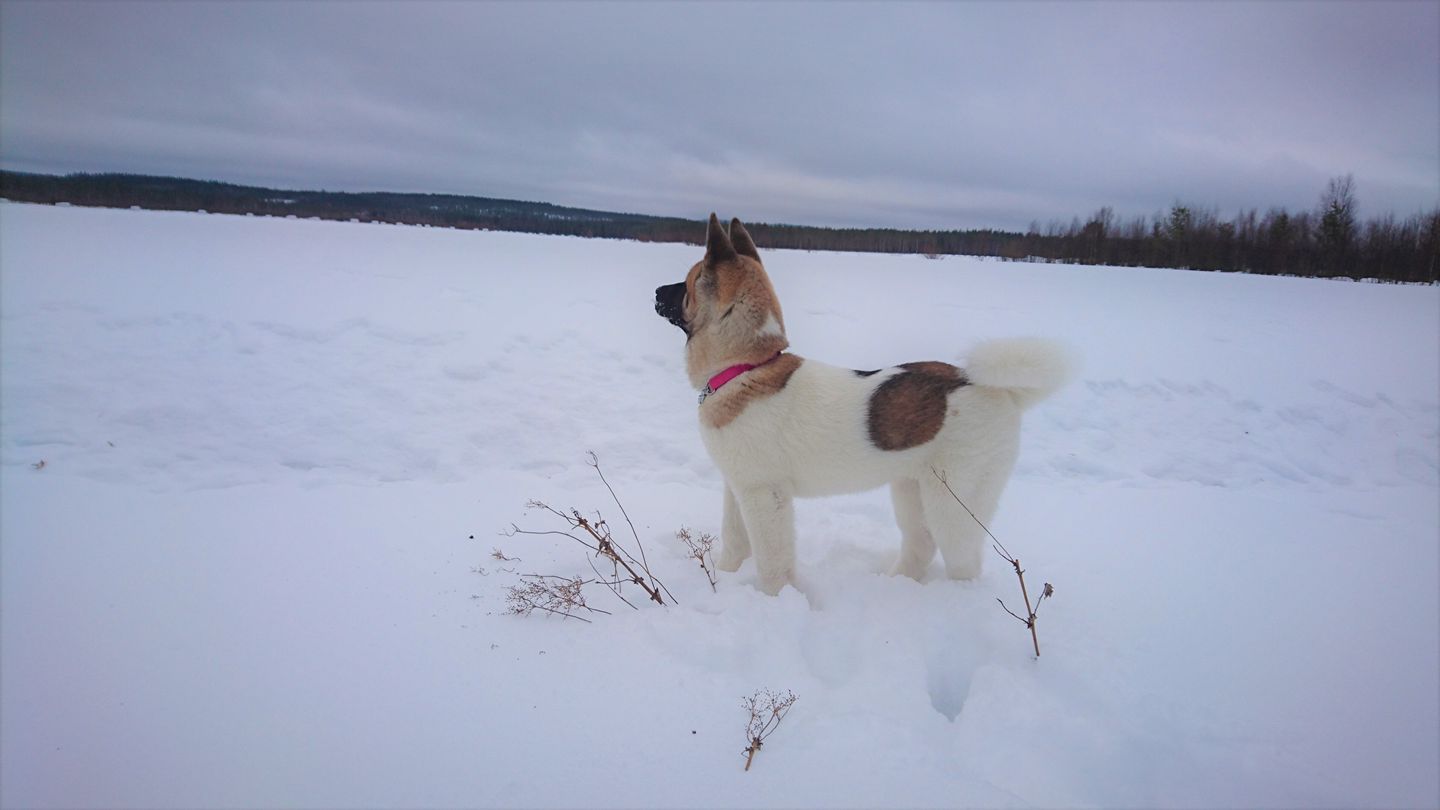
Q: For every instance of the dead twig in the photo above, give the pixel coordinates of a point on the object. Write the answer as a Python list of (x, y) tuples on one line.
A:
[(766, 709), (1031, 612), (562, 596), (594, 534), (594, 463), (598, 540), (700, 552), (1049, 590)]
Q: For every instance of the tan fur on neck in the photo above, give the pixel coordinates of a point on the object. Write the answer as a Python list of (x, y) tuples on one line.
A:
[(725, 405)]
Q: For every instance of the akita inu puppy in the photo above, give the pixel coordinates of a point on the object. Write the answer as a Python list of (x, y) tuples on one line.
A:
[(779, 426)]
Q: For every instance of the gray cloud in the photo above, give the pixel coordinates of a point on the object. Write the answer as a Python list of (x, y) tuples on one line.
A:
[(924, 115)]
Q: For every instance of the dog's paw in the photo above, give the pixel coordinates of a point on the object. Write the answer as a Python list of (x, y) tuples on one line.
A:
[(905, 567), (729, 561), (773, 585)]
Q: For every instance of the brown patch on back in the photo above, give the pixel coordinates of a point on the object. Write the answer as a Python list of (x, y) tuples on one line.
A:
[(908, 409), (725, 406)]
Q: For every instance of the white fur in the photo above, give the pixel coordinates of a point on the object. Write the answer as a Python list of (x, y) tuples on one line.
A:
[(771, 327), (812, 438), (1032, 368)]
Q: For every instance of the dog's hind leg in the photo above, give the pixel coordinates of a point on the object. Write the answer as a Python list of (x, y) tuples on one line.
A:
[(917, 546), (770, 522), (960, 537), (734, 540)]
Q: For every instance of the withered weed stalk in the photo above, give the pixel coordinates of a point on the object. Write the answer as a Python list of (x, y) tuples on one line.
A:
[(626, 568), (766, 709), (699, 548), (561, 596), (1049, 590)]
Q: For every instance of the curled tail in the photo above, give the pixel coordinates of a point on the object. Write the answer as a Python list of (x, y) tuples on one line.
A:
[(1029, 368)]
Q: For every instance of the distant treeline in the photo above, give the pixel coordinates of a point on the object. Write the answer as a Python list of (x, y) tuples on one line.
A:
[(1329, 241)]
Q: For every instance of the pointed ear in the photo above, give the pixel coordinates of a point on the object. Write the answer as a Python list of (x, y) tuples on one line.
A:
[(740, 238), (717, 243)]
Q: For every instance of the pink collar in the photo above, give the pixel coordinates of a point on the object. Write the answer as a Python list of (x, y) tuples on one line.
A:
[(729, 374)]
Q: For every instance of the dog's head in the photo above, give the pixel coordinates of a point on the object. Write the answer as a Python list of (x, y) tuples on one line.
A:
[(725, 305)]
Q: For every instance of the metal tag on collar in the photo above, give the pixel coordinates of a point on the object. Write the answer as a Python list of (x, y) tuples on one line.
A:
[(703, 394)]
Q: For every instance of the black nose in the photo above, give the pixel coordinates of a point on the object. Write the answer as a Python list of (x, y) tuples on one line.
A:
[(670, 304)]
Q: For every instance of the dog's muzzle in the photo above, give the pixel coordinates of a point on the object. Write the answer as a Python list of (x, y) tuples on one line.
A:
[(670, 304)]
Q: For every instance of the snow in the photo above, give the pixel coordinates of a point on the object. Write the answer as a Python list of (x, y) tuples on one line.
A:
[(245, 574)]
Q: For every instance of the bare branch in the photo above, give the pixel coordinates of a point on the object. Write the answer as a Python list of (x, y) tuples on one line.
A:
[(562, 596), (642, 562), (612, 584), (594, 534), (595, 463), (946, 483), (1029, 619), (1022, 619), (766, 709), (577, 539), (700, 551)]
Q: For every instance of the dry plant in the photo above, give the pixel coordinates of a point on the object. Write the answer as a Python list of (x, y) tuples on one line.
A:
[(1045, 593), (700, 552), (766, 709), (561, 596), (594, 534), (1049, 590)]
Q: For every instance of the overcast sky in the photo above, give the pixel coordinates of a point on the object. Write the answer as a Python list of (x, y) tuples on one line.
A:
[(932, 115)]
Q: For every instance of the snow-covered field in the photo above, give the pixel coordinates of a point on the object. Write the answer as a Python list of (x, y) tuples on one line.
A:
[(245, 574)]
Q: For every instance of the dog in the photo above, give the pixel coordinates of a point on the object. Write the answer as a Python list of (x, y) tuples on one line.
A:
[(779, 426)]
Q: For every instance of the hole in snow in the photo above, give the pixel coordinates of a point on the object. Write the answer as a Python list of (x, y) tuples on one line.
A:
[(947, 679)]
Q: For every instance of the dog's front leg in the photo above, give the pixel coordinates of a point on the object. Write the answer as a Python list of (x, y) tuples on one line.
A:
[(734, 540), (770, 522)]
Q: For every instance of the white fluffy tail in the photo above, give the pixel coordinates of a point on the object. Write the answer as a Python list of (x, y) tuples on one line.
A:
[(1029, 368)]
